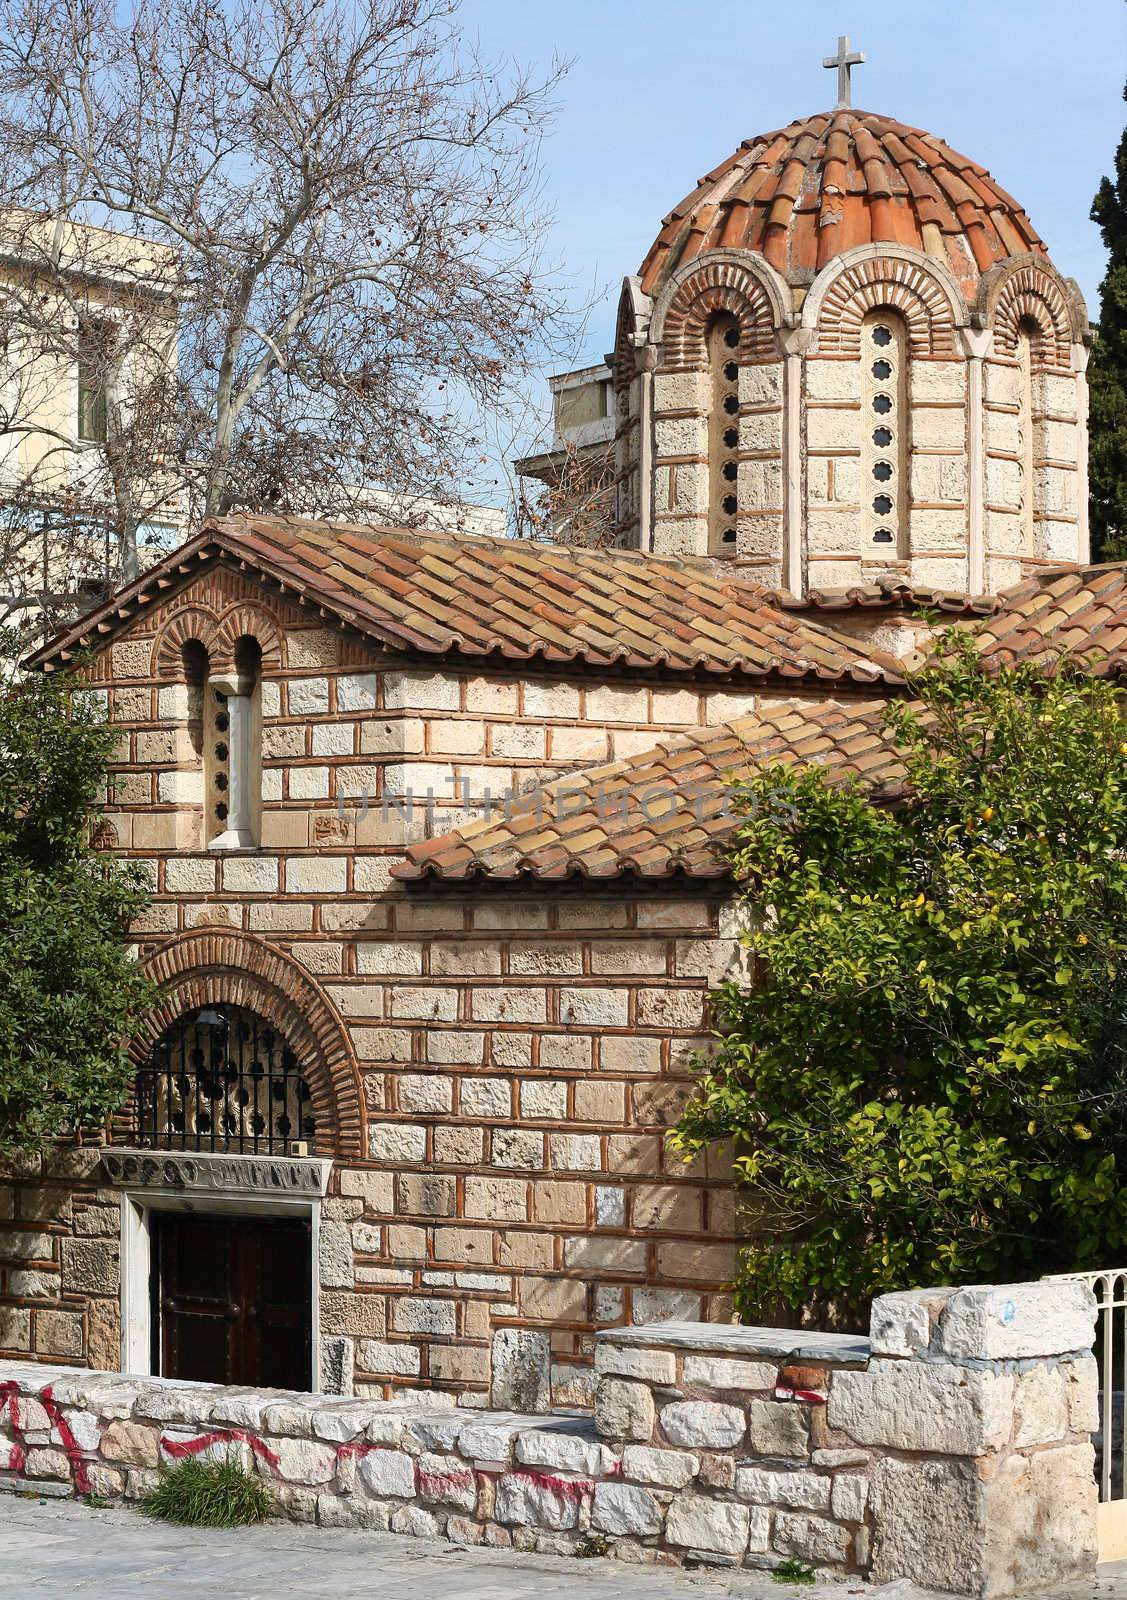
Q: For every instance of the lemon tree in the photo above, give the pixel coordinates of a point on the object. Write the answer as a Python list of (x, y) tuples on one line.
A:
[(927, 1083)]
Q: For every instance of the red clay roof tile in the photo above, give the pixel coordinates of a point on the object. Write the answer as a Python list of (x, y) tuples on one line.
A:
[(668, 810), (846, 166), (468, 595)]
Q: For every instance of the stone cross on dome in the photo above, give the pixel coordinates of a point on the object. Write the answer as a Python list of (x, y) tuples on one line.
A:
[(844, 62)]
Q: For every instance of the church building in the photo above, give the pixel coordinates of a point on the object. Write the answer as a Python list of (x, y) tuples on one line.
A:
[(432, 820)]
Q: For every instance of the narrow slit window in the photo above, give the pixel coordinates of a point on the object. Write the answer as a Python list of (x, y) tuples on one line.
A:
[(723, 436), (884, 414)]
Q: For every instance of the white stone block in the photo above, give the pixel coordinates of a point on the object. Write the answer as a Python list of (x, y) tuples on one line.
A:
[(652, 1366), (931, 1407), (563, 1452), (703, 1424), (696, 1522), (388, 1472), (524, 1502), (680, 436), (307, 697), (191, 875), (422, 691), (250, 874), (397, 1141), (833, 380), (681, 391), (377, 1356), (850, 1496), (936, 380), (665, 1469), (356, 691), (623, 1410), (761, 384), (715, 1372), (444, 1480), (803, 1491), (304, 1460), (316, 875), (1040, 1406), (620, 1509), (900, 1324), (309, 783), (1014, 1321), (810, 1538)]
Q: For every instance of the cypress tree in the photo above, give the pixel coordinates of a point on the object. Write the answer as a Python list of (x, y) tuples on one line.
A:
[(1108, 373)]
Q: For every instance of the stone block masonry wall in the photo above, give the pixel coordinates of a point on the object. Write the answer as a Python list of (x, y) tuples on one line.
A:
[(509, 1059), (951, 1449), (59, 1260)]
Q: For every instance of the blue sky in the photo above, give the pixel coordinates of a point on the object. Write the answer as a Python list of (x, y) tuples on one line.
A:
[(660, 92)]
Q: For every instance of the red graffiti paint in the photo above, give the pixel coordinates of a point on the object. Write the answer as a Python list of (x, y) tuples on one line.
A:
[(809, 1397), (359, 1447), (436, 1484), (569, 1489), (10, 1402), (179, 1448), (80, 1469)]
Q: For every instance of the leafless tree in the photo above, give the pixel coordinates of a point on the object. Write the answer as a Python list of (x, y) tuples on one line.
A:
[(575, 502), (343, 201)]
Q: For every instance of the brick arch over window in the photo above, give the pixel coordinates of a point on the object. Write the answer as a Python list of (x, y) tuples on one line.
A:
[(219, 635), (880, 283), (237, 969), (237, 623), (194, 622), (714, 288), (1031, 296)]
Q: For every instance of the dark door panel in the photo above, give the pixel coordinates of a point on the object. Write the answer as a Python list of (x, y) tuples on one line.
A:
[(232, 1299)]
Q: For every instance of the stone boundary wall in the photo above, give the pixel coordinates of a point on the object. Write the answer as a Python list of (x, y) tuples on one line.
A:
[(951, 1448)]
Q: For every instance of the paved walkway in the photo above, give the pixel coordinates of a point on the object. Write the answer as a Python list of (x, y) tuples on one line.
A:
[(60, 1548)]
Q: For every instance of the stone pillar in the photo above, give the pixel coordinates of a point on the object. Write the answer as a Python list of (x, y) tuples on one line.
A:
[(647, 362), (988, 1397), (793, 344), (1080, 354), (977, 342)]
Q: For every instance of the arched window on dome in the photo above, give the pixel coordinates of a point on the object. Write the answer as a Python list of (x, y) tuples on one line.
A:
[(723, 434), (1028, 335), (233, 732), (884, 428)]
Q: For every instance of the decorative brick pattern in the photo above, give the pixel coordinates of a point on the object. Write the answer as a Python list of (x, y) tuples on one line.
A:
[(1029, 293), (717, 286)]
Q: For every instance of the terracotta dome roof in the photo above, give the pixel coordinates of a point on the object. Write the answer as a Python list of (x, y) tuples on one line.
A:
[(811, 191)]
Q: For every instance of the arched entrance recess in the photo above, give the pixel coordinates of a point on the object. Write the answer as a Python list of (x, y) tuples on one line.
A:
[(219, 970)]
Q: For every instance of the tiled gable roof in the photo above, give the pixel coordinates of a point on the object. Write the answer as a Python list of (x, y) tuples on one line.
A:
[(809, 192), (1078, 612), (668, 810), (468, 595), (663, 812)]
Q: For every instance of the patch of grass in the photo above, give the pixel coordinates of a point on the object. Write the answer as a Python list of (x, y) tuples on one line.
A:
[(795, 1571), (592, 1544), (209, 1494)]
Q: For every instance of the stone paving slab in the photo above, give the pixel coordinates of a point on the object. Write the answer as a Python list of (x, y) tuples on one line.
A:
[(62, 1548)]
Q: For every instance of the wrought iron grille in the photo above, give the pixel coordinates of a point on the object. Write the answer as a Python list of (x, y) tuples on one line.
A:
[(222, 1079)]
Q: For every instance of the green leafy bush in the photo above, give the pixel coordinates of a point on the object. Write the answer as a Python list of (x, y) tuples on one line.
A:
[(929, 1083), (70, 991), (209, 1494)]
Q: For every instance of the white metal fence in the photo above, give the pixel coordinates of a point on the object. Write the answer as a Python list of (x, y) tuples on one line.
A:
[(1109, 1286)]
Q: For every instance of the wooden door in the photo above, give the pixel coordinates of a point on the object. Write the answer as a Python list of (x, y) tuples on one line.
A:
[(232, 1299)]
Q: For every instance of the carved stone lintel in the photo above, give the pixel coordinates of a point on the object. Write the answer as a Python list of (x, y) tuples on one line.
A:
[(201, 1172)]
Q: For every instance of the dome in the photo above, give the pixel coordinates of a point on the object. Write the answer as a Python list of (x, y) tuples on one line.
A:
[(811, 191)]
